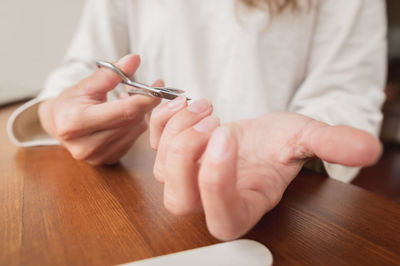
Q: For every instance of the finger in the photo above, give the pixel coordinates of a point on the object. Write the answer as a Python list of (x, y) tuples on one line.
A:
[(115, 150), (181, 193), (225, 210), (118, 113), (84, 147), (104, 79), (160, 117), (181, 121), (158, 83), (343, 145), (138, 104)]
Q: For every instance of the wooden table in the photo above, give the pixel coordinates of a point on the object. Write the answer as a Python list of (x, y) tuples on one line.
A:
[(57, 211)]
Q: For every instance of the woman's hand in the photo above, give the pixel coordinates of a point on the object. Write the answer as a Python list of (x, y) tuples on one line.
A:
[(237, 172), (91, 128)]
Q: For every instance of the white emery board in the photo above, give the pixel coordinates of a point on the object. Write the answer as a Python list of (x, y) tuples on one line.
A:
[(234, 253)]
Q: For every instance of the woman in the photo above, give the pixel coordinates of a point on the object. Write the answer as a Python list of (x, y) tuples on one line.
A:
[(289, 81)]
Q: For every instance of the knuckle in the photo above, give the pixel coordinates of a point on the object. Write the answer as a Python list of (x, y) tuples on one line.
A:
[(66, 125), (64, 130), (186, 148), (173, 127), (129, 114), (177, 148)]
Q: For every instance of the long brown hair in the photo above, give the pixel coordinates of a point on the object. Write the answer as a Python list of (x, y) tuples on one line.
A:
[(273, 6)]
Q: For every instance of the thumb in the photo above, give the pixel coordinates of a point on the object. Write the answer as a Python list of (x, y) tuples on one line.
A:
[(104, 79), (343, 145)]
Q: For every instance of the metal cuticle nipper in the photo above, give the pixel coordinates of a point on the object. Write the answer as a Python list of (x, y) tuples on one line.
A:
[(139, 88)]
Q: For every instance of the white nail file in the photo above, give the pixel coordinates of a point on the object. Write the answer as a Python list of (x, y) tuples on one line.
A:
[(234, 253)]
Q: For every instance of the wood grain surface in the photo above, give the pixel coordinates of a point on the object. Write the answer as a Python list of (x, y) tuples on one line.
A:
[(58, 211)]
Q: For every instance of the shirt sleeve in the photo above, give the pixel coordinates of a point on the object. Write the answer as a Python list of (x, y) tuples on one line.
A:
[(346, 72), (102, 34)]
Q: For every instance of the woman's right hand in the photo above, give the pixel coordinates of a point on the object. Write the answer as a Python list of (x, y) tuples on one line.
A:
[(91, 128)]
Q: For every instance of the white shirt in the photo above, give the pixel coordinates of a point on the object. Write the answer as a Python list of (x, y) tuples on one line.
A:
[(327, 61)]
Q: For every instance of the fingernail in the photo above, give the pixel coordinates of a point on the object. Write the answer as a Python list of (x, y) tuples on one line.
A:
[(124, 59), (219, 143), (207, 124), (177, 102), (159, 83), (199, 106)]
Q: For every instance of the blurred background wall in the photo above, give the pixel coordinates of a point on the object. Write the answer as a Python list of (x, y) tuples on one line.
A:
[(34, 36), (393, 10), (391, 124)]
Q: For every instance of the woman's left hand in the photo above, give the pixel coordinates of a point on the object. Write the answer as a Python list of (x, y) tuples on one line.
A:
[(237, 172)]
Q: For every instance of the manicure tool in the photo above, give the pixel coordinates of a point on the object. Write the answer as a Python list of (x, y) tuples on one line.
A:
[(139, 88)]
